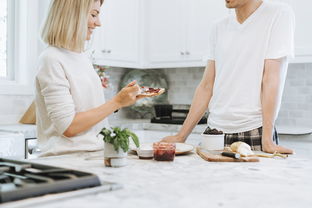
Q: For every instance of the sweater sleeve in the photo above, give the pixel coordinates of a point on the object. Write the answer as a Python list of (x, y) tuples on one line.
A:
[(55, 89)]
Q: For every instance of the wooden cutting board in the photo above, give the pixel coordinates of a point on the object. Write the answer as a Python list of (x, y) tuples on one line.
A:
[(30, 115), (219, 158)]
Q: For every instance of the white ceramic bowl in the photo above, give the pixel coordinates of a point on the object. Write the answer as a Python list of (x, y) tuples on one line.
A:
[(145, 151), (212, 141)]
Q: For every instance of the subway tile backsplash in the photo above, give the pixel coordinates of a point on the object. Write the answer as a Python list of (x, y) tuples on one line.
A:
[(296, 108), (12, 107)]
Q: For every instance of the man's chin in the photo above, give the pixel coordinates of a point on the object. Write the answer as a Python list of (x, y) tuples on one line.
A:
[(229, 6)]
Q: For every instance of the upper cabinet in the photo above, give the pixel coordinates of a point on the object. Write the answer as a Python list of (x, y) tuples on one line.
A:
[(116, 42), (173, 33), (303, 34), (177, 34), (154, 34), (164, 32), (303, 30)]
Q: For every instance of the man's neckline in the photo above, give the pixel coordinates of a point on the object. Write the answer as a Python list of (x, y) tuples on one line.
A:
[(251, 16)]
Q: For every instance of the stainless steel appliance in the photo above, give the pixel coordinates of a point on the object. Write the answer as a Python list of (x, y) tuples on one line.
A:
[(173, 114)]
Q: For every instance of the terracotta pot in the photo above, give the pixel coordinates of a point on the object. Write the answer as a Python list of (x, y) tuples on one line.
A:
[(113, 158)]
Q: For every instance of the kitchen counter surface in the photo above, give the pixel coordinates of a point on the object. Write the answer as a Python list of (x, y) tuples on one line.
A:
[(145, 124), (190, 181)]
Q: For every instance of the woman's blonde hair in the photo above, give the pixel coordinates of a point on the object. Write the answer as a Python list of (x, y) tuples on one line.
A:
[(66, 24)]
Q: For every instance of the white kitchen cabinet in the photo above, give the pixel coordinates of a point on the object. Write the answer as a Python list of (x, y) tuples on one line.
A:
[(12, 145), (303, 30), (179, 36), (165, 35), (201, 15), (174, 33), (154, 34), (116, 41)]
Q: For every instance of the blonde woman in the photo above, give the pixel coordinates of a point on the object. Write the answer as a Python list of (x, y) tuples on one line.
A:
[(70, 104)]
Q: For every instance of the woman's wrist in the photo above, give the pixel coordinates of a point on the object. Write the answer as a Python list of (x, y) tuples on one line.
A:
[(115, 104), (181, 137)]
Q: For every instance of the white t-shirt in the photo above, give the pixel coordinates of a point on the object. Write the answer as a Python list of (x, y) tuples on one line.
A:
[(65, 85), (239, 52)]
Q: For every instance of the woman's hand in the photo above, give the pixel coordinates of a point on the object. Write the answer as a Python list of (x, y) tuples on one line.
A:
[(128, 95)]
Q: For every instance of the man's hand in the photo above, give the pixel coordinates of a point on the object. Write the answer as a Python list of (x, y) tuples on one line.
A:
[(270, 147), (173, 139)]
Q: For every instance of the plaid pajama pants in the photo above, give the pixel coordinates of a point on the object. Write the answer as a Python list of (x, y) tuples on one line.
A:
[(252, 138)]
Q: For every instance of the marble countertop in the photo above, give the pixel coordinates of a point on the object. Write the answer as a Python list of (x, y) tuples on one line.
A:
[(145, 124), (190, 181)]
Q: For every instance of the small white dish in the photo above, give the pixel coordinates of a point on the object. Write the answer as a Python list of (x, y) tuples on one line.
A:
[(212, 141), (146, 149), (182, 148)]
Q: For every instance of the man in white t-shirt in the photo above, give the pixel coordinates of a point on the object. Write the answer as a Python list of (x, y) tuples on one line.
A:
[(244, 78)]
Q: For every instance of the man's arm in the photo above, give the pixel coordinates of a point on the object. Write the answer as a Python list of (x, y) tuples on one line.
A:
[(271, 92), (199, 105)]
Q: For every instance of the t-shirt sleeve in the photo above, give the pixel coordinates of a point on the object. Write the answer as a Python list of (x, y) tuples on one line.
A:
[(281, 41), (210, 53), (55, 89)]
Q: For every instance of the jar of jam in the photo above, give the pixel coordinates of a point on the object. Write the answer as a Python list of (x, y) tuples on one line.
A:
[(164, 151)]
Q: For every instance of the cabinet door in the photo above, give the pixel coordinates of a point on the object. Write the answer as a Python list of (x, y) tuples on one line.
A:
[(303, 31), (201, 16), (165, 25), (117, 39)]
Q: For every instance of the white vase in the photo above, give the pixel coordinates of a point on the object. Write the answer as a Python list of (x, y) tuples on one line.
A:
[(113, 158)]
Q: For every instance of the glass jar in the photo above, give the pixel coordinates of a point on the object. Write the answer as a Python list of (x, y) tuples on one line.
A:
[(164, 151)]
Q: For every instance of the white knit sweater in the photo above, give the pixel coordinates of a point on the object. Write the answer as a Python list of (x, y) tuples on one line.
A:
[(65, 85)]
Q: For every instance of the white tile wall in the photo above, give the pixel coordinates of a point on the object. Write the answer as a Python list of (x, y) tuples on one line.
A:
[(182, 84), (296, 108), (115, 75), (13, 107)]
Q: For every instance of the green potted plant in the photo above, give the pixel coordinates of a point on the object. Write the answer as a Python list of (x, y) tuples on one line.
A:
[(116, 145)]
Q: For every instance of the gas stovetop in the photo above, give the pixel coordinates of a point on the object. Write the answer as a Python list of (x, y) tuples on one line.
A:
[(166, 114), (21, 179)]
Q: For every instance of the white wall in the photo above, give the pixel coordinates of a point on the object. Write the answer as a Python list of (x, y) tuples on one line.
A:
[(296, 108), (12, 106)]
